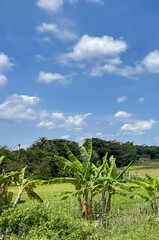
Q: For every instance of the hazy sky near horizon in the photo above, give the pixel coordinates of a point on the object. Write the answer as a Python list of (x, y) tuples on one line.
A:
[(77, 69)]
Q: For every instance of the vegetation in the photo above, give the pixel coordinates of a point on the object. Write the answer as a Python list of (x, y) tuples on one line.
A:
[(83, 182), (41, 164)]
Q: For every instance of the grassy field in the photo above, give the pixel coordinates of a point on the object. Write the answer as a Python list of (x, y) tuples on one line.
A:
[(129, 219), (143, 167)]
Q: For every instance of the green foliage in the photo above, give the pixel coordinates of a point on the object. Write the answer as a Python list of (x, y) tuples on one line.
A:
[(41, 221), (151, 186), (56, 219)]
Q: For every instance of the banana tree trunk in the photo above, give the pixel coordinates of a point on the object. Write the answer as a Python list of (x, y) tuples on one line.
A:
[(1, 198), (17, 200), (102, 207), (84, 208), (109, 203), (80, 202), (90, 212), (155, 205), (152, 206)]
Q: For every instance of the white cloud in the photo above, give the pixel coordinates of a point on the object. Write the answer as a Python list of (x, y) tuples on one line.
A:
[(65, 137), (43, 114), (45, 27), (121, 99), (3, 80), (58, 116), (50, 5), (122, 114), (141, 99), (96, 1), (53, 6), (58, 120), (94, 48), (18, 107), (5, 65), (40, 58), (125, 71), (54, 77), (137, 128), (151, 62), (63, 34)]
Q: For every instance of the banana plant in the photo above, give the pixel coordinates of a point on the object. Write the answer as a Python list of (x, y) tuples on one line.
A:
[(151, 186), (81, 171), (27, 186), (107, 181), (5, 180), (92, 180)]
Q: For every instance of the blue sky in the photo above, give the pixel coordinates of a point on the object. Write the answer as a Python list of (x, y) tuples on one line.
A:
[(76, 69)]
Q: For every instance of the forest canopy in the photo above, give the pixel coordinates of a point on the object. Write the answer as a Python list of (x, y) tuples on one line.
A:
[(41, 164)]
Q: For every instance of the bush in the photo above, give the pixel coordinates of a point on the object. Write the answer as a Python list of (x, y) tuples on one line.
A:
[(39, 221)]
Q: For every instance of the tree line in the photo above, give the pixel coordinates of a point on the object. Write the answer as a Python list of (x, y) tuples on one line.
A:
[(40, 156)]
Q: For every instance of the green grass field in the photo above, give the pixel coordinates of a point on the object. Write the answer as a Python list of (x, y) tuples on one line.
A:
[(143, 167), (129, 219)]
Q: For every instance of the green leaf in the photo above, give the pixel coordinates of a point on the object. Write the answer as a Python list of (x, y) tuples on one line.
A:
[(104, 167), (10, 176), (1, 159), (84, 157), (73, 181), (141, 184), (112, 163), (33, 195), (122, 186), (122, 173), (148, 177), (154, 182), (89, 149), (73, 159), (69, 166)]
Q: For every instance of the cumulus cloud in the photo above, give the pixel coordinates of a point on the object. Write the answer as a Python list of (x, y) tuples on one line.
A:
[(3, 80), (63, 34), (45, 27), (122, 114), (121, 99), (43, 114), (94, 48), (5, 65), (18, 107), (125, 71), (48, 78), (151, 62), (58, 120), (138, 128), (52, 6)]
